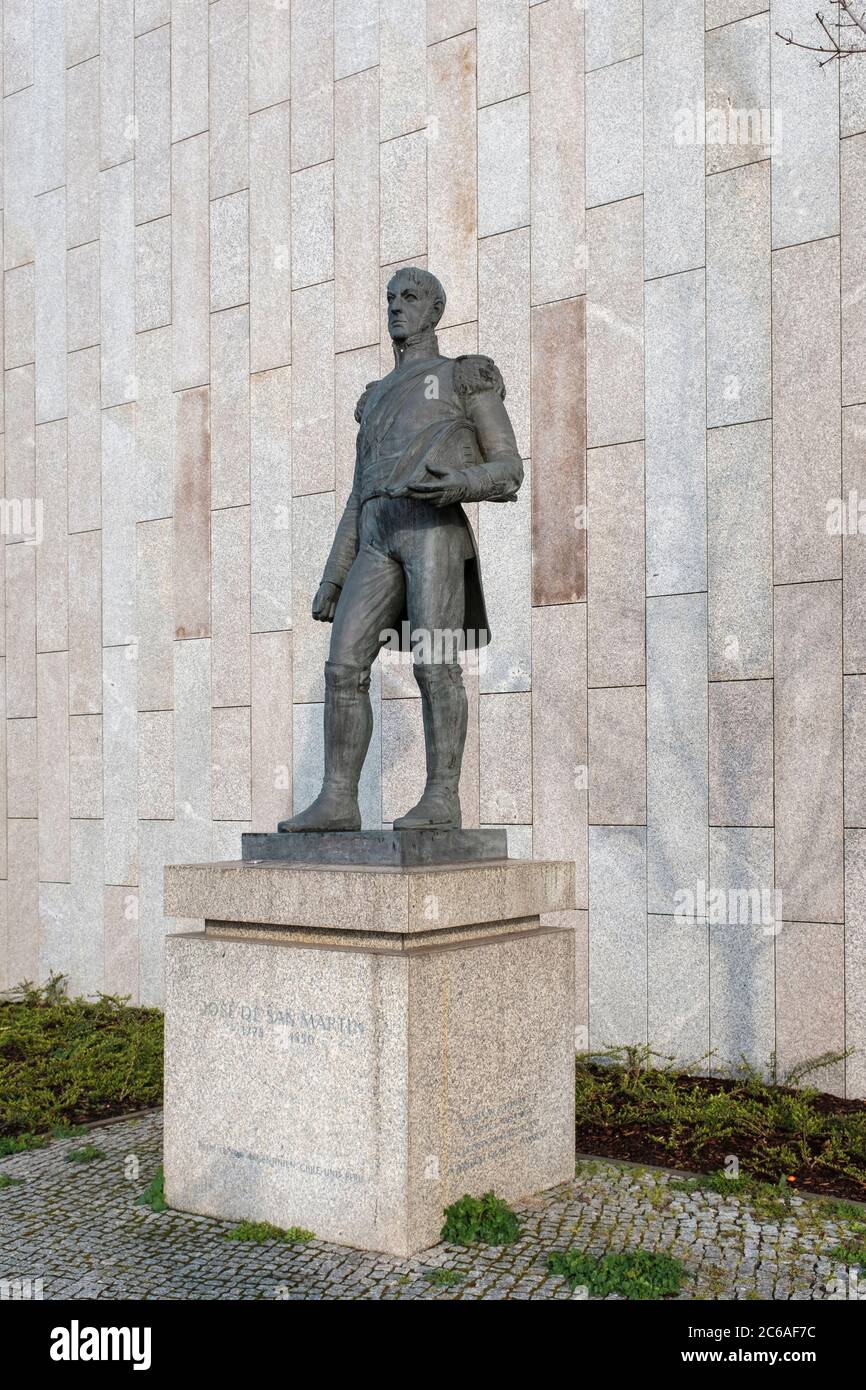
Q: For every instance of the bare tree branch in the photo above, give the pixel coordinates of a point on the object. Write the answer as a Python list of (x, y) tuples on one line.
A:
[(851, 14)]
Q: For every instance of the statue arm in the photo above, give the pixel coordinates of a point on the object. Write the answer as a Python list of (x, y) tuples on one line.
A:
[(345, 544), (499, 475)]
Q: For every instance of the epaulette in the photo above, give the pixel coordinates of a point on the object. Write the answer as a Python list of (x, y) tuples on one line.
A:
[(473, 374), (362, 400)]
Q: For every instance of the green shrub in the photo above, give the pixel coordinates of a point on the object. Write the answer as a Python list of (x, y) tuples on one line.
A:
[(68, 1061), (153, 1195), (260, 1231), (443, 1278), (635, 1274), (483, 1220)]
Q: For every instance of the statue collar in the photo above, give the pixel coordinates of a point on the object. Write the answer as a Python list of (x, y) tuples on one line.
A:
[(419, 347)]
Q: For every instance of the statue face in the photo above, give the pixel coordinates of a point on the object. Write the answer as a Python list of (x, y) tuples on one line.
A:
[(409, 309)]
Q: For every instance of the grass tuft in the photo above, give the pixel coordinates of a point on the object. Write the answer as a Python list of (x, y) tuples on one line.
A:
[(483, 1220)]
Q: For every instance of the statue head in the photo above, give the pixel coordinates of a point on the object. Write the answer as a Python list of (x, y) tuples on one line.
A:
[(416, 302)]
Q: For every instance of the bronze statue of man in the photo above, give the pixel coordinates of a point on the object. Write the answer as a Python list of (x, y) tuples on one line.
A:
[(433, 433)]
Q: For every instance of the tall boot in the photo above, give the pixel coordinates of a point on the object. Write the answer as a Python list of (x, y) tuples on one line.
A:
[(444, 707), (348, 726)]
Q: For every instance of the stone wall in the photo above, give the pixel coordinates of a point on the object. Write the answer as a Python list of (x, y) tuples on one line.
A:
[(202, 205)]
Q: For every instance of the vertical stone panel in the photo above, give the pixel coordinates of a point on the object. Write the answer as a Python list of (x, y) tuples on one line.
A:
[(230, 408), (677, 792), (738, 94), (614, 323), (741, 752), (503, 321), (614, 132), (617, 936), (19, 317), (271, 729), (678, 1011), (155, 614), (615, 554), (617, 756), (853, 549), (808, 748), (556, 140), (506, 750), (738, 295), (558, 452), (559, 738), (116, 83), (739, 556), (153, 274), (312, 82), (82, 31), (312, 535), (854, 714), (82, 297), (270, 239), (23, 923), (230, 623), (402, 67), (403, 197), (19, 176), (269, 53), (229, 251), (270, 501), (313, 389), (82, 153), (810, 986), (313, 225), (229, 97), (356, 211), (193, 754), (855, 960), (805, 137), (53, 754), (118, 526), (189, 68), (742, 985), (51, 553), (503, 50), (22, 770), (117, 284), (356, 36), (451, 174), (50, 306), (85, 767), (84, 436), (120, 918), (190, 262), (503, 166), (85, 623), (231, 764), (676, 480), (853, 269), (673, 136), (120, 748), (153, 124), (154, 425), (192, 514), (155, 765), (613, 32)]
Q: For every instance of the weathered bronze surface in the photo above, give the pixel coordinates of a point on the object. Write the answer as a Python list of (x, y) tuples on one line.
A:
[(403, 569)]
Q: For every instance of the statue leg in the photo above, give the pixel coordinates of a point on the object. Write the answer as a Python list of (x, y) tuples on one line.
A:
[(371, 601), (434, 559)]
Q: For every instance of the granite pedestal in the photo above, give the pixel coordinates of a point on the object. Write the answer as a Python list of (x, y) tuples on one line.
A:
[(351, 1047)]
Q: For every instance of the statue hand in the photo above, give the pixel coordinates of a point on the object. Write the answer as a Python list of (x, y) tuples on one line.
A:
[(448, 486), (325, 602)]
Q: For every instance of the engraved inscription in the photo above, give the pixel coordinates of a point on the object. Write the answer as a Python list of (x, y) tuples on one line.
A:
[(292, 1025)]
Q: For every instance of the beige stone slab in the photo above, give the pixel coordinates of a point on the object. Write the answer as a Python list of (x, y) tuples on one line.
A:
[(614, 323), (451, 174), (120, 917), (192, 735), (559, 737), (612, 33), (18, 178), (808, 751), (313, 389), (22, 797), (356, 36), (378, 900), (559, 452), (853, 156), (854, 714), (20, 450), (20, 631), (738, 295), (119, 616), (231, 764), (738, 93), (270, 728), (741, 752), (24, 930), (614, 132), (189, 68), (153, 122), (617, 756), (806, 417), (674, 104), (270, 501), (230, 624), (503, 166), (117, 284), (270, 238), (116, 83), (855, 961), (853, 549), (504, 538), (448, 17), (85, 766), (505, 726), (269, 53), (83, 463), (805, 139), (312, 91), (19, 316), (503, 320), (192, 514), (230, 408), (82, 152), (82, 32), (229, 250), (403, 197), (356, 211), (53, 766), (152, 276), (120, 753), (557, 140), (353, 371), (82, 300), (616, 583), (810, 981), (52, 561), (156, 765), (228, 89), (85, 622), (739, 551), (313, 530), (155, 614), (503, 50), (154, 425), (190, 255), (402, 66)]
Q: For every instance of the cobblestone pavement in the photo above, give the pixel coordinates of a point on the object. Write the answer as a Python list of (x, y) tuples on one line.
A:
[(77, 1228)]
